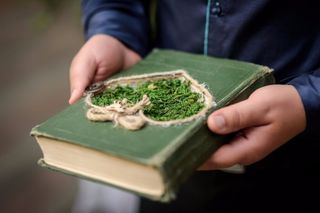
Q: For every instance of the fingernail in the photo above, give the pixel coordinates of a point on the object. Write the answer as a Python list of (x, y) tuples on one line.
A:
[(219, 121)]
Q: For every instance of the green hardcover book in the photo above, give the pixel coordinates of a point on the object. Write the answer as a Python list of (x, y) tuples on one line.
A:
[(155, 160)]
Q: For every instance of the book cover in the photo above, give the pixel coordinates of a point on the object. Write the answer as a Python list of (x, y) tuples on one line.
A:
[(155, 160)]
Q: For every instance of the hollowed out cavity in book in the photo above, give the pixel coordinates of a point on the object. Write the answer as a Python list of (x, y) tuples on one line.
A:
[(160, 98), (170, 99)]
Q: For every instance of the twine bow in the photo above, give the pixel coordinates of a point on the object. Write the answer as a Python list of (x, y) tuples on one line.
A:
[(120, 112)]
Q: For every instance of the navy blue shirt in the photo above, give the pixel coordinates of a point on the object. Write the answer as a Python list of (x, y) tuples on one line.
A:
[(284, 35)]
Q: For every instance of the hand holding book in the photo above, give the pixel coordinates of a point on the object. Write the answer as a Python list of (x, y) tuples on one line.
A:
[(261, 133), (270, 117), (155, 160), (100, 57)]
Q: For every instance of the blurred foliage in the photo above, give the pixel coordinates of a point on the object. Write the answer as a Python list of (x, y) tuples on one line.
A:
[(51, 9), (52, 6)]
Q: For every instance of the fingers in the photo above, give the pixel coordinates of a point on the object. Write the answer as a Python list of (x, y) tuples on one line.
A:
[(101, 56), (251, 144), (82, 72), (246, 148), (238, 116), (268, 119)]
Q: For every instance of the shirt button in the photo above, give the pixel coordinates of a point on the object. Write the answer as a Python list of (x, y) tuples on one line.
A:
[(217, 10)]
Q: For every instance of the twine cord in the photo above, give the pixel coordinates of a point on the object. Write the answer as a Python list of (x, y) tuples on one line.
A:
[(120, 112)]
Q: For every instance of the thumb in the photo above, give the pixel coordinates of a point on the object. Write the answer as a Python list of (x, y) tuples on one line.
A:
[(236, 117), (82, 72)]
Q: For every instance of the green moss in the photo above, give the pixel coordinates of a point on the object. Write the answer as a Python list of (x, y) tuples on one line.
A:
[(171, 99)]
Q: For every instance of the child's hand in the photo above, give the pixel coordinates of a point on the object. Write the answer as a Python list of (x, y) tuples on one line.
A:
[(101, 56), (269, 118)]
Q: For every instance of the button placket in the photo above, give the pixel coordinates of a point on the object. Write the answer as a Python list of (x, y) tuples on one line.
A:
[(216, 9)]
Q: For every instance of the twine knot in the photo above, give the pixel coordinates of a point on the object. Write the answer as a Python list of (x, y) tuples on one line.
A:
[(120, 112)]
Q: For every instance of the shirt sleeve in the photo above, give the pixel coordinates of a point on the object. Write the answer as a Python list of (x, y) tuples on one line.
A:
[(308, 86), (126, 20)]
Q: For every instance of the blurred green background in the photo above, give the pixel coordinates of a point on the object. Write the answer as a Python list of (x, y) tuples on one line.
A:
[(38, 39)]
